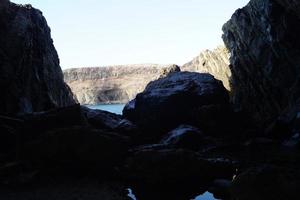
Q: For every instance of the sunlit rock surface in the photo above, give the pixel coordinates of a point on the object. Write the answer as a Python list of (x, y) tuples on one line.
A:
[(215, 62)]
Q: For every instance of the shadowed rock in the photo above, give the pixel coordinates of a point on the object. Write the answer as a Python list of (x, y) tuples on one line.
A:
[(263, 40), (174, 100), (30, 76)]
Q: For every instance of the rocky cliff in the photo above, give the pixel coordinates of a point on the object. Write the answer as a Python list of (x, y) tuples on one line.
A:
[(263, 40), (215, 62), (114, 84), (30, 76)]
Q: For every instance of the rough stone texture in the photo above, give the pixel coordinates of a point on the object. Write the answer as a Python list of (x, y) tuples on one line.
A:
[(182, 97), (114, 84), (30, 76), (215, 62), (263, 39)]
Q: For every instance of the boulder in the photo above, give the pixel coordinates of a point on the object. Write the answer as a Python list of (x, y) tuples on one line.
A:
[(263, 41), (174, 100), (101, 119), (166, 170), (79, 148), (187, 137), (39, 122), (31, 79), (266, 182)]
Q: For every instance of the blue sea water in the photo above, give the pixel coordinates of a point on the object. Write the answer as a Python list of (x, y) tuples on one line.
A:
[(113, 108)]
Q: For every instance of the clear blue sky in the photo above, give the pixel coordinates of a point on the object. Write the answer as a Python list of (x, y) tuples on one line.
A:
[(108, 32)]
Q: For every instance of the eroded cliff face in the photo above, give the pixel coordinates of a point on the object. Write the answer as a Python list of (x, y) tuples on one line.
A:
[(263, 40), (30, 76), (114, 84), (215, 62)]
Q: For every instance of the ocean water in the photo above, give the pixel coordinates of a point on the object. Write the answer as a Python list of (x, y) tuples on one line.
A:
[(113, 108)]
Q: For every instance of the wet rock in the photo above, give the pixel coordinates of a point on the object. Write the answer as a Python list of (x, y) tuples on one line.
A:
[(175, 100), (31, 79)]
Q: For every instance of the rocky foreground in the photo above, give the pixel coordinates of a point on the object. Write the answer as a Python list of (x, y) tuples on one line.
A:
[(184, 134)]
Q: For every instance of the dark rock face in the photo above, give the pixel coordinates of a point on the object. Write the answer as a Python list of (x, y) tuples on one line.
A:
[(176, 167), (187, 137), (175, 100), (263, 39), (266, 182), (30, 75)]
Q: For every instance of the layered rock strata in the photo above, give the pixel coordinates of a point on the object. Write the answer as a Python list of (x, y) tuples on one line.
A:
[(215, 62)]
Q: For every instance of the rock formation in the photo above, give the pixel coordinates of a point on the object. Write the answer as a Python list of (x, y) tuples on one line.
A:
[(263, 40), (30, 76), (114, 84), (215, 62), (183, 139), (182, 97)]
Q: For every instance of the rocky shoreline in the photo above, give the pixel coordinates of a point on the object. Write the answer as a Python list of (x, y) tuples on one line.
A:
[(183, 135)]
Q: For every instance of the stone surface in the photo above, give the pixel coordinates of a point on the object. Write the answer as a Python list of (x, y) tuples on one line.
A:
[(177, 99), (215, 62), (187, 137), (78, 148), (113, 84), (263, 40), (266, 182), (171, 167), (30, 76)]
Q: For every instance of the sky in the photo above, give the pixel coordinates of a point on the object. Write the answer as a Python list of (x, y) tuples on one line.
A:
[(111, 32)]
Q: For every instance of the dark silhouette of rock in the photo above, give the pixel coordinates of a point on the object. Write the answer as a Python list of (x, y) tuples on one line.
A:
[(263, 40), (171, 167), (30, 76), (105, 120), (266, 182), (78, 148), (187, 137), (174, 100), (36, 124)]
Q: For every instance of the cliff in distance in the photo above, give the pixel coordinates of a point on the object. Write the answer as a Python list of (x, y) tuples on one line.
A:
[(30, 76), (119, 84), (215, 62), (113, 84)]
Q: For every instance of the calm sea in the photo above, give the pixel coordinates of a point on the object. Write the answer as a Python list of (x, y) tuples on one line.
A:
[(113, 108)]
